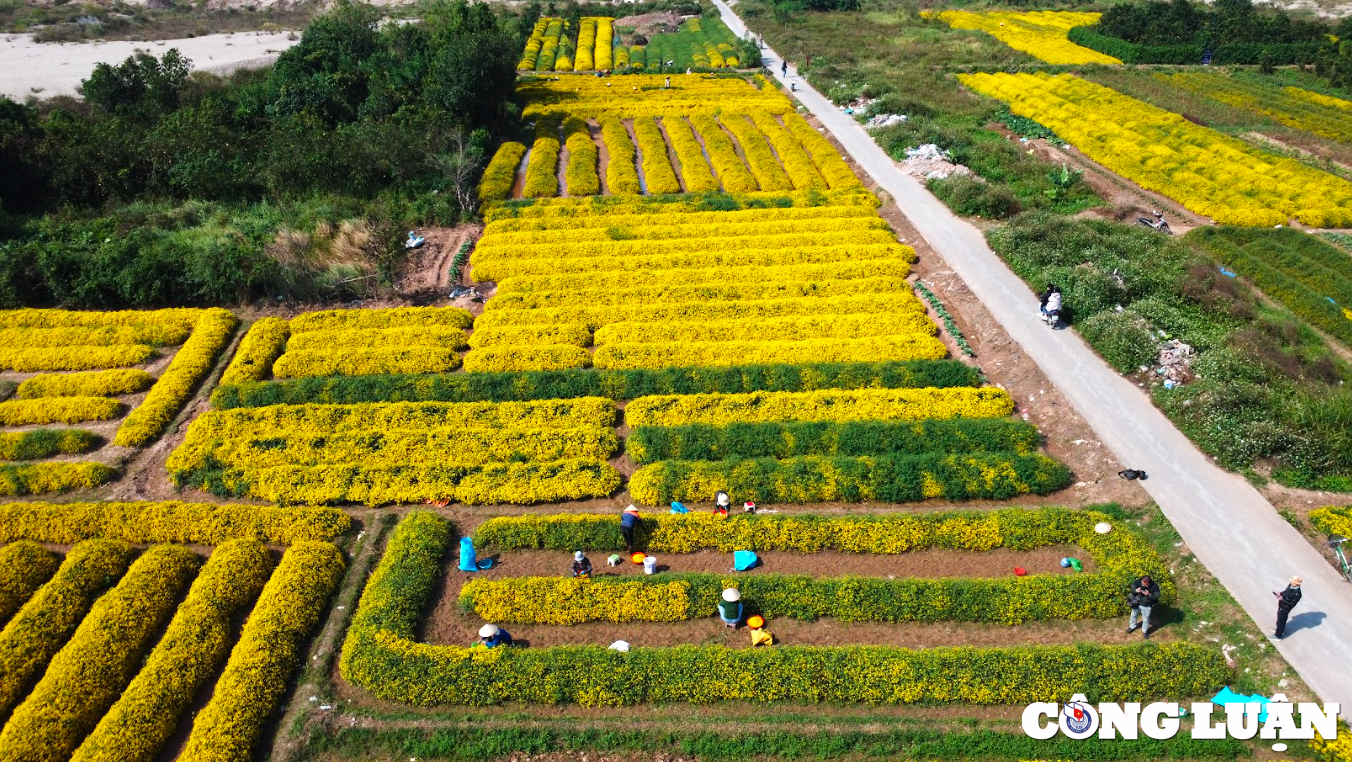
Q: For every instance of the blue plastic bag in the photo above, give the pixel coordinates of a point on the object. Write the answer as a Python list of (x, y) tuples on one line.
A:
[(678, 508), (744, 559)]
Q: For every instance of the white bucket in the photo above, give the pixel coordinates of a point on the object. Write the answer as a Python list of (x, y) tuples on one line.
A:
[(650, 565)]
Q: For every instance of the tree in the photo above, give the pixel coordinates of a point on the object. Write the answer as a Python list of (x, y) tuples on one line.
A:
[(139, 87)]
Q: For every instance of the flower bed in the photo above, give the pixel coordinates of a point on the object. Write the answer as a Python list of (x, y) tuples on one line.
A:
[(98, 383), (1041, 34), (44, 443), (621, 176), (39, 478), (170, 521), (825, 405)]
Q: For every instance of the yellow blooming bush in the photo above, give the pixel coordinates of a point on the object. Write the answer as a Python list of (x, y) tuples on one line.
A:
[(621, 176), (586, 44), (555, 600), (37, 444), (58, 410), (542, 177), (756, 149), (843, 327), (1209, 173), (591, 282), (186, 658), (73, 357), (732, 172), (581, 207), (880, 478), (258, 350), (268, 653), (657, 171), (25, 566), (802, 172), (1041, 34), (500, 174), (695, 170), (169, 521), (63, 476), (754, 309), (1337, 749), (602, 221), (516, 483), (703, 295), (500, 359), (828, 160), (916, 346), (826, 405), (156, 333), (549, 45), (87, 675), (178, 321), (351, 361), (98, 383), (728, 224), (533, 45), (581, 174), (190, 365), (605, 41), (381, 656), (761, 253), (46, 621), (576, 334), (397, 317), (646, 95), (1292, 106), (1332, 520)]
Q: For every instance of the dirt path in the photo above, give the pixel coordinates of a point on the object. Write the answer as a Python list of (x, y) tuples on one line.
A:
[(1230, 527), (425, 274)]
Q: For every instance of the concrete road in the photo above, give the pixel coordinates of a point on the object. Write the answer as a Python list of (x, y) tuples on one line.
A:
[(1230, 527)]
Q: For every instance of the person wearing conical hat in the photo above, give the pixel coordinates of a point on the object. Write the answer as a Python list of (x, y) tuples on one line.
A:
[(730, 608), (1286, 600), (628, 522), (492, 636)]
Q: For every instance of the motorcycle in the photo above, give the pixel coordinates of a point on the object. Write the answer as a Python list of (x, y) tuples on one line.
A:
[(1158, 223), (1051, 310)]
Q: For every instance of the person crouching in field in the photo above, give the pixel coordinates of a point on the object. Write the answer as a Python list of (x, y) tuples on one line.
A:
[(582, 567), (492, 636)]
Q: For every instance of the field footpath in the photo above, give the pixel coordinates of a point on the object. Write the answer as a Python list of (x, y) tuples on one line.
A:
[(1231, 528)]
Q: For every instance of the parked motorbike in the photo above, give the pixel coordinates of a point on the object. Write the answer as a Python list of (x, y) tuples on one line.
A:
[(1158, 223)]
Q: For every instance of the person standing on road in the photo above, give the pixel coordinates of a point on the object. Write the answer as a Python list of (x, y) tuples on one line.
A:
[(629, 520), (784, 68), (1286, 600), (1142, 597)]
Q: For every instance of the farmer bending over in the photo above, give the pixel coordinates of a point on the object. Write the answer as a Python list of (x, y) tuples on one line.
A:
[(581, 566)]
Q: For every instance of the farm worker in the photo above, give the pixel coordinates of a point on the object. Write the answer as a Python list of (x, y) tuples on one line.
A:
[(629, 520), (749, 507), (581, 566), (668, 82), (721, 502), (1286, 600), (492, 636), (784, 68), (759, 635), (730, 608), (1144, 594)]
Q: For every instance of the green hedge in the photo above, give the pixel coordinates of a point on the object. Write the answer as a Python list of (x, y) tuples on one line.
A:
[(479, 744), (647, 444), (1292, 267), (883, 479), (380, 655), (585, 382), (1247, 53), (37, 444)]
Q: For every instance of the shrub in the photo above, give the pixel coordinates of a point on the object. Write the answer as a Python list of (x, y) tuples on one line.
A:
[(25, 566), (185, 660), (91, 671), (258, 350), (504, 359), (974, 197), (581, 174), (379, 338), (613, 384), (172, 521), (397, 317), (45, 622), (647, 444), (1333, 520), (58, 410), (621, 176), (99, 383), (918, 346), (532, 335), (825, 405), (542, 177), (500, 175), (344, 361), (819, 479), (267, 655), (1124, 339), (189, 366), (41, 478), (74, 358), (44, 443)]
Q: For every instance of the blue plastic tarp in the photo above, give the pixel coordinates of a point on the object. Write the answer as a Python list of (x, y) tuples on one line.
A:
[(744, 559), (1227, 696)]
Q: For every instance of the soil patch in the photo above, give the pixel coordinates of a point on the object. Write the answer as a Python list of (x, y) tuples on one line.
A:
[(425, 274)]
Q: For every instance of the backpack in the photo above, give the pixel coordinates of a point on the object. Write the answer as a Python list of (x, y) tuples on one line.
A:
[(1132, 474)]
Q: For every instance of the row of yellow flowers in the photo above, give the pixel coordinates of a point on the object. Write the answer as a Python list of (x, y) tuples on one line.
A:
[(97, 383), (581, 173), (1210, 173), (776, 329), (646, 95), (665, 215), (506, 359), (45, 410), (257, 351), (153, 322), (347, 361), (1292, 106), (592, 282), (88, 674), (25, 566), (829, 161), (621, 175), (61, 476), (372, 338), (559, 207), (768, 352), (849, 221), (732, 171), (695, 169), (826, 405), (36, 444), (500, 174), (541, 170), (756, 150), (716, 294), (155, 333), (573, 334), (1041, 34), (397, 317), (658, 174), (169, 521), (761, 253), (769, 306), (30, 359), (801, 170), (187, 657)]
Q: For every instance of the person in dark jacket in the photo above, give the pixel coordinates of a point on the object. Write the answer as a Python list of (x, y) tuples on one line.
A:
[(1143, 594), (581, 565), (628, 521), (1286, 600)]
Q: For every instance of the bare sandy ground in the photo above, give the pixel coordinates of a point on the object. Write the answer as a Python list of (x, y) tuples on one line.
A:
[(49, 68)]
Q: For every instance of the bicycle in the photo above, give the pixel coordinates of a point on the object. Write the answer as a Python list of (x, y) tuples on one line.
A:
[(1336, 543)]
